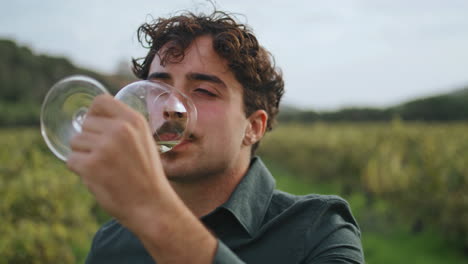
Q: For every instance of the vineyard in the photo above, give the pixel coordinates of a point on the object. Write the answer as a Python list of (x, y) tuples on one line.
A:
[(411, 176), (397, 176), (46, 215)]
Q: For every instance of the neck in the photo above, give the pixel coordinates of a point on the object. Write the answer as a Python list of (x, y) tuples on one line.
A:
[(205, 195)]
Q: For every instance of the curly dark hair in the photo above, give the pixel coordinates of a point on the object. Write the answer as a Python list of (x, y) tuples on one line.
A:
[(252, 65)]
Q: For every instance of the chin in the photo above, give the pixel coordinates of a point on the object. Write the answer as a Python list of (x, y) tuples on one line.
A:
[(180, 175), (174, 165), (168, 156)]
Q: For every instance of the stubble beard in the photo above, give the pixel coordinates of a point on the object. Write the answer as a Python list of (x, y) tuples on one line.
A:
[(191, 170), (181, 167)]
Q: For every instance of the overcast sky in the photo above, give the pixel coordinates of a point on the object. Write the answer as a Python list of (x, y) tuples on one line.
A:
[(333, 53)]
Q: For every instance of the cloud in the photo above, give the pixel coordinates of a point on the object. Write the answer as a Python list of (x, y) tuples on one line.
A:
[(333, 52)]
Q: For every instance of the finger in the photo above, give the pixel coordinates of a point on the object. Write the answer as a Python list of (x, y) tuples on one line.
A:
[(96, 124), (107, 106), (101, 106), (75, 162), (84, 141)]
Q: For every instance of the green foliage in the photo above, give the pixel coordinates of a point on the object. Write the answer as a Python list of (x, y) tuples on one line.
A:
[(400, 246), (19, 114), (391, 243), (46, 213), (441, 108), (403, 180), (453, 106), (415, 172), (26, 77)]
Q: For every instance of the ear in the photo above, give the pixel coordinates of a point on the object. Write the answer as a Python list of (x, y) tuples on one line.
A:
[(255, 128)]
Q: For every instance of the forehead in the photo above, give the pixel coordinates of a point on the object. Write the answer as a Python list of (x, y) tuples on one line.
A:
[(199, 56)]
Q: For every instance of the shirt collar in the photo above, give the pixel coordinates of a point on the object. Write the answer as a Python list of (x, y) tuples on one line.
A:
[(251, 198)]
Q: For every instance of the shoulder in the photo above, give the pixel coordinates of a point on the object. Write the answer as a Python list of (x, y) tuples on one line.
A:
[(113, 243), (107, 232), (312, 202), (329, 206), (328, 230), (112, 227), (113, 234), (314, 211)]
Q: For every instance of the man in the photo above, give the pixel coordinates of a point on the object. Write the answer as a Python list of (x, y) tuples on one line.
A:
[(209, 199)]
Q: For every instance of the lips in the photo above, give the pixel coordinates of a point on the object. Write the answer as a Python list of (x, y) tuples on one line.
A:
[(182, 145), (169, 131), (169, 136)]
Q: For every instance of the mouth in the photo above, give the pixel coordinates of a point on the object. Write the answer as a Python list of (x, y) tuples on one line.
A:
[(168, 136), (183, 143), (169, 131)]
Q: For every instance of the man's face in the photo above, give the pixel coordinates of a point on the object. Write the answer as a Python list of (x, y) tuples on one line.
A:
[(216, 146)]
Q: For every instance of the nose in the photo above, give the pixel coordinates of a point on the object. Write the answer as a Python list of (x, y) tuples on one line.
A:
[(174, 115), (174, 109)]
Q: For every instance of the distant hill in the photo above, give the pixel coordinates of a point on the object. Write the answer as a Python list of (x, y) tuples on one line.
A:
[(26, 77), (451, 106), (445, 107)]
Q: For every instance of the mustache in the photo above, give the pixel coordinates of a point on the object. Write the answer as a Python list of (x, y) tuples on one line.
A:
[(171, 127)]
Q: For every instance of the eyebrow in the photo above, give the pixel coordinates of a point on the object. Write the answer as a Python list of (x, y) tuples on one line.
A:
[(159, 75), (205, 77), (191, 76)]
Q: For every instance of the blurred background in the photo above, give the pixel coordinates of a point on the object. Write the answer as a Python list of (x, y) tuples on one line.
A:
[(376, 111)]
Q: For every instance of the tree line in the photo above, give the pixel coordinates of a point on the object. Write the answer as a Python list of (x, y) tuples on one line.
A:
[(413, 173), (439, 108), (26, 77)]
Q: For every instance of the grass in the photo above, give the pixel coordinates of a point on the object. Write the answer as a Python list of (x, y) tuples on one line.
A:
[(395, 244), (400, 246), (288, 183)]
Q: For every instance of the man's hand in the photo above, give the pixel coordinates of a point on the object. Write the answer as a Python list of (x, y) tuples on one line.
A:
[(116, 157)]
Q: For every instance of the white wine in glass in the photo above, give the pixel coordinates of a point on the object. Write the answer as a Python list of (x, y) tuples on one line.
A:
[(170, 113)]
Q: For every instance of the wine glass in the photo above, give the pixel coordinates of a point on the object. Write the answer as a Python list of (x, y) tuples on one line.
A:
[(170, 113)]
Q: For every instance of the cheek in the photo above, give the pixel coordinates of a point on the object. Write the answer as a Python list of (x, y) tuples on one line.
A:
[(220, 120), (208, 115)]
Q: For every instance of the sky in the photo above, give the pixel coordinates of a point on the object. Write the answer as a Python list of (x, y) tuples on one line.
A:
[(333, 53)]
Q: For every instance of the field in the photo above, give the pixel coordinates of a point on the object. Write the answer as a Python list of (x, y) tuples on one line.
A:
[(407, 185)]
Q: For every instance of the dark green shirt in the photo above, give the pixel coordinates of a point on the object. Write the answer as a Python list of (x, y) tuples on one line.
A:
[(258, 224)]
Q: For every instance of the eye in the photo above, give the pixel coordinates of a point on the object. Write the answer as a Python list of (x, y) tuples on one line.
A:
[(205, 92)]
